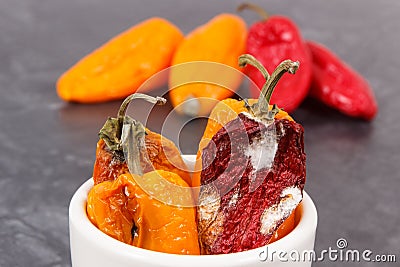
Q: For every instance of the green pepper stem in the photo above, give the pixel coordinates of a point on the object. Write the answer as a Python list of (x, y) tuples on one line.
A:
[(111, 131), (134, 132), (124, 106), (262, 108), (249, 59), (133, 144), (270, 84), (260, 11)]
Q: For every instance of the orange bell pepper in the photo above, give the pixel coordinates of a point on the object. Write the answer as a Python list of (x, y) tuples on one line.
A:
[(125, 211), (151, 209), (161, 153), (120, 66)]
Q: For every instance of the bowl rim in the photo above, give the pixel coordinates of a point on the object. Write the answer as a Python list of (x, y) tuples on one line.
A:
[(306, 226)]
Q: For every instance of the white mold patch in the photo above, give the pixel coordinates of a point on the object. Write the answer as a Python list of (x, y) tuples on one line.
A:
[(262, 152), (234, 198), (290, 198), (210, 202)]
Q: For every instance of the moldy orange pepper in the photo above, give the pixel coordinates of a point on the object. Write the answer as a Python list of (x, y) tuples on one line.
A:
[(221, 40), (120, 66), (152, 211), (122, 210), (161, 153)]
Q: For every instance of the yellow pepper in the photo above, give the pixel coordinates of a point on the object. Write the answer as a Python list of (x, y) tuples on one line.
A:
[(120, 66)]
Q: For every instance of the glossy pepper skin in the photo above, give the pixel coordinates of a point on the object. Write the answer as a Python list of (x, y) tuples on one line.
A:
[(221, 40), (124, 211), (272, 40), (120, 66), (337, 85)]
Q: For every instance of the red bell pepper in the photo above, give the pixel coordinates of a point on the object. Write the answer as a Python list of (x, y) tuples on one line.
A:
[(272, 40), (339, 86)]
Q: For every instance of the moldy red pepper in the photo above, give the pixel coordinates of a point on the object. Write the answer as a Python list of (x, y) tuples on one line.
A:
[(253, 174), (339, 86), (271, 41)]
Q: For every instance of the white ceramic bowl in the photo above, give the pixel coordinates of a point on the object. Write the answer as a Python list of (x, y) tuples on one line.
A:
[(91, 247)]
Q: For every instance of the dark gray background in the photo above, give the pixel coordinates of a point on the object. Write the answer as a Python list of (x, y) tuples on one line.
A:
[(47, 146)]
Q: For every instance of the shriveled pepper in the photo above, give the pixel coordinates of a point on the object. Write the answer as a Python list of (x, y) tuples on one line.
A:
[(145, 210), (221, 40), (339, 86), (224, 112), (161, 153), (272, 40), (253, 174), (120, 66)]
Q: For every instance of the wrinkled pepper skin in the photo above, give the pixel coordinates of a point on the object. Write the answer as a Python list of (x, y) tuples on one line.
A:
[(272, 40), (162, 153), (122, 210), (221, 40), (251, 168), (234, 222), (337, 85), (224, 112), (120, 66)]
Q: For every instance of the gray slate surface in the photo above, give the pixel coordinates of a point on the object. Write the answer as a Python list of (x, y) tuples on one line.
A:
[(47, 146)]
